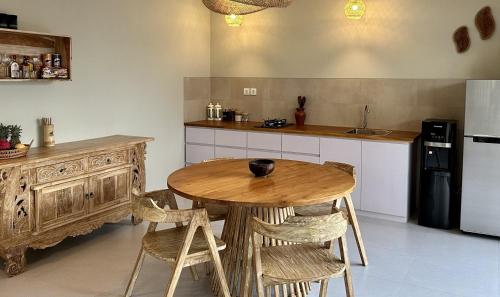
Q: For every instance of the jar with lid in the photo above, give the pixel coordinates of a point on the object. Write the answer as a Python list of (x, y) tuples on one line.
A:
[(210, 111), (218, 112)]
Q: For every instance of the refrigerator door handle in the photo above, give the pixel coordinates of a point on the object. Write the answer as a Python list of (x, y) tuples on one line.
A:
[(486, 139)]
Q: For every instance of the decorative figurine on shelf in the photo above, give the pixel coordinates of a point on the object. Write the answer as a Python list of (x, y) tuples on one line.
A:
[(300, 114), (48, 132)]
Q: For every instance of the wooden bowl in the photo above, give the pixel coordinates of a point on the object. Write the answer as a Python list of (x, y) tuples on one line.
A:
[(261, 167)]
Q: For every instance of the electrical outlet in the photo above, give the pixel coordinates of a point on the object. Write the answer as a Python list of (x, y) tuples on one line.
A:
[(253, 91), (246, 92)]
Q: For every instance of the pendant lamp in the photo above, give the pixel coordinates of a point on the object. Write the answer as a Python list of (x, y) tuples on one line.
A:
[(228, 7), (355, 9), (266, 3)]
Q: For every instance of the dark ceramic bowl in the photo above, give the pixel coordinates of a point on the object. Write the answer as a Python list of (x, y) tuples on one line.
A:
[(261, 167)]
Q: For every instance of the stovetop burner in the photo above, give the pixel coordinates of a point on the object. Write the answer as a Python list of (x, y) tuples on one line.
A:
[(275, 124)]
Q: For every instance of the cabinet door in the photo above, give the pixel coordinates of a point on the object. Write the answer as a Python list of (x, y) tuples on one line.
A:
[(254, 154), (200, 135), (228, 152), (198, 153), (301, 157), (264, 141), (386, 170), (109, 189), (300, 144), (231, 138), (344, 151), (61, 204)]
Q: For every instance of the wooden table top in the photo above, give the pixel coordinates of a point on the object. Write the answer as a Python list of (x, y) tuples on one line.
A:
[(311, 130), (230, 182)]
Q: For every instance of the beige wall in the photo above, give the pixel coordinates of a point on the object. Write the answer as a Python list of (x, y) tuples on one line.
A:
[(399, 104), (397, 39), (129, 60)]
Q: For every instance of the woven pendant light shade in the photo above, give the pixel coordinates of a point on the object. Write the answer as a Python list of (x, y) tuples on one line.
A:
[(266, 3), (229, 7)]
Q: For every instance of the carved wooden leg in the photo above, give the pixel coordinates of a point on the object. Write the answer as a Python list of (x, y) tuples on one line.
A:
[(136, 221), (15, 261)]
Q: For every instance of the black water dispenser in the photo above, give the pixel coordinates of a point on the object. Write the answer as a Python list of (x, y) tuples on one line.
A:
[(437, 202)]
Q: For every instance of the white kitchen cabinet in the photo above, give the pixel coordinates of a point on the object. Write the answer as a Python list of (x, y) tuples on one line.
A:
[(382, 168), (229, 152), (200, 135), (300, 157), (231, 138), (254, 154), (264, 141), (345, 151), (300, 144), (198, 153), (386, 172)]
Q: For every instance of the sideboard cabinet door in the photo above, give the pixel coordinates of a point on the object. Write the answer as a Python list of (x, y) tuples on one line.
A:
[(61, 204), (109, 189)]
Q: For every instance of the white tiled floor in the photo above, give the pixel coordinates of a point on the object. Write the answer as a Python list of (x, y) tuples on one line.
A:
[(406, 260)]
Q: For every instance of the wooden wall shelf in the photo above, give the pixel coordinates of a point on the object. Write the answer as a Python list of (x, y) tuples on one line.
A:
[(26, 43)]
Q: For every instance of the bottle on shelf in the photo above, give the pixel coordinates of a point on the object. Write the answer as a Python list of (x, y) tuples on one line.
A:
[(27, 68), (14, 68)]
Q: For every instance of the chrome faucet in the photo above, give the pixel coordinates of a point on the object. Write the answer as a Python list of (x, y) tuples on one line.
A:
[(365, 117)]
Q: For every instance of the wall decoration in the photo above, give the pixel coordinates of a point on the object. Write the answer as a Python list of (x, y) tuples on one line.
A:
[(462, 39), (485, 23)]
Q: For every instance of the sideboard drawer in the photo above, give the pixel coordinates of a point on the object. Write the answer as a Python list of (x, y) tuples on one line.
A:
[(108, 160), (61, 170)]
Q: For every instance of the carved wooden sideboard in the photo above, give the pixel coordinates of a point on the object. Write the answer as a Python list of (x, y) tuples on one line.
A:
[(68, 190)]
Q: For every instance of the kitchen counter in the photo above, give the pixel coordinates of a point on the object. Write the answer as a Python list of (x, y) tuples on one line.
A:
[(395, 136)]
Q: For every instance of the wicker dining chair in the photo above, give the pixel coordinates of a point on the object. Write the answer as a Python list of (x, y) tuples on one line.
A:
[(180, 247), (215, 212), (348, 211), (306, 258)]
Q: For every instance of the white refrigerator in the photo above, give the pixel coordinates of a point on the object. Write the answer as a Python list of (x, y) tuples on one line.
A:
[(481, 171)]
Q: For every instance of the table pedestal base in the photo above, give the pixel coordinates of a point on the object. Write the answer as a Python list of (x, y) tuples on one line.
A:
[(235, 258)]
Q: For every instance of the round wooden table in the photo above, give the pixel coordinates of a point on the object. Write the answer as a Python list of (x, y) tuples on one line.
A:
[(230, 182)]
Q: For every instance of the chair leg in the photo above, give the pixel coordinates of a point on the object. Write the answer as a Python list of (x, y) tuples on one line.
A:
[(194, 273), (357, 232), (347, 273), (324, 288), (181, 258), (176, 273), (135, 274), (216, 259), (207, 268)]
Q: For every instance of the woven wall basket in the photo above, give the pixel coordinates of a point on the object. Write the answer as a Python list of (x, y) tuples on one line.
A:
[(266, 3), (228, 7)]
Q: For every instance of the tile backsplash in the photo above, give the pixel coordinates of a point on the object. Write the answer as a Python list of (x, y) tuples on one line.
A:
[(399, 104)]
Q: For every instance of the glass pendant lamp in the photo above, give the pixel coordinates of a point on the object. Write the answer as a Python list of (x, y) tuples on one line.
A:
[(355, 9), (234, 20)]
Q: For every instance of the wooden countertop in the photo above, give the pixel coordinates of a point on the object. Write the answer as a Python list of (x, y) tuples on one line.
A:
[(314, 130), (63, 150)]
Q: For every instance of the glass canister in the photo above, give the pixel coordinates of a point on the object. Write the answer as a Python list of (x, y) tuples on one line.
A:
[(210, 111), (218, 112)]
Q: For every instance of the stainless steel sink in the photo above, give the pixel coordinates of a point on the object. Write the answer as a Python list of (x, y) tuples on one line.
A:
[(369, 132)]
